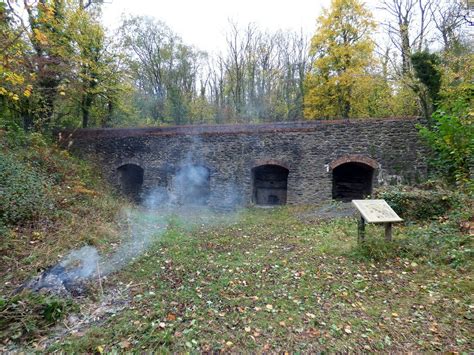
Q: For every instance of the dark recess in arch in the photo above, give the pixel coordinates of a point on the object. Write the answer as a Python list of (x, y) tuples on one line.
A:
[(352, 181), (270, 185), (131, 180)]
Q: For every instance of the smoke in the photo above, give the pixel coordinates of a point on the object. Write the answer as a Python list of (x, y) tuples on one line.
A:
[(80, 263), (185, 200), (65, 278), (191, 186)]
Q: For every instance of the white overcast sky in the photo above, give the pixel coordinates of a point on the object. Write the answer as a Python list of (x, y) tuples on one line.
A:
[(203, 23)]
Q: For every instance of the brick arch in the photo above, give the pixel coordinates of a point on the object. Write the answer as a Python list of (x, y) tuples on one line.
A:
[(354, 159), (132, 161), (261, 162)]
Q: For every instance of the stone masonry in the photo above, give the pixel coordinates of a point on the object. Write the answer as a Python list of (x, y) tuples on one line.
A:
[(309, 150)]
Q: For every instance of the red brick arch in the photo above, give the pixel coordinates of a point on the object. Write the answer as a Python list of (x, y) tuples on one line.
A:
[(354, 159), (261, 162)]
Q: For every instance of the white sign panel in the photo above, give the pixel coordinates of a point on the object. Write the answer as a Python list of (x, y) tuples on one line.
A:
[(376, 211)]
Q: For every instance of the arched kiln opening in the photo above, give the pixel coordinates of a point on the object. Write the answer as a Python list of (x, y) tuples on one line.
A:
[(192, 185), (352, 181), (131, 180), (270, 185)]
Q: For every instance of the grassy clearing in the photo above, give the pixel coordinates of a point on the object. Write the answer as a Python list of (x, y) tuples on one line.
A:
[(263, 280), (272, 281)]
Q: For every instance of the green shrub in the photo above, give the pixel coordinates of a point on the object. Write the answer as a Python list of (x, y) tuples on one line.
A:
[(24, 192), (412, 203), (438, 240), (436, 243), (451, 137), (28, 314)]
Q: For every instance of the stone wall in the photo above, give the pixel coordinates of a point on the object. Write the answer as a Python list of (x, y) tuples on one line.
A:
[(309, 150)]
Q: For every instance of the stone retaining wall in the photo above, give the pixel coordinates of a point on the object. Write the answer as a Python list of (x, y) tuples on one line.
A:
[(309, 150)]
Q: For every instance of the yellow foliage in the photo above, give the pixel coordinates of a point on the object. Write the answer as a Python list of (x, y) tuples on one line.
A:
[(343, 50), (83, 190), (40, 37), (28, 90), (13, 78)]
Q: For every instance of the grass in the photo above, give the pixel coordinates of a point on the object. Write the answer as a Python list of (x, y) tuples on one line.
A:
[(261, 280), (77, 208), (271, 281), (82, 211)]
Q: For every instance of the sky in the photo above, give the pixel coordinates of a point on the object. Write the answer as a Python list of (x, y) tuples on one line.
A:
[(203, 23)]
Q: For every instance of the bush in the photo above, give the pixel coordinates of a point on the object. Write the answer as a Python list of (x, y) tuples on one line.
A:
[(436, 243), (451, 137), (24, 192), (412, 203), (27, 315)]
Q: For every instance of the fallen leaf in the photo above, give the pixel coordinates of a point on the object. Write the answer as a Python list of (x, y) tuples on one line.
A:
[(125, 344)]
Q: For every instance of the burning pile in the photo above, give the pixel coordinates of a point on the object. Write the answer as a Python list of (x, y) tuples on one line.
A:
[(142, 226), (68, 277)]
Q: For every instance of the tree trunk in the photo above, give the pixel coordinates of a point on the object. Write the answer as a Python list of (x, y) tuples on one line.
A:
[(86, 108), (110, 111)]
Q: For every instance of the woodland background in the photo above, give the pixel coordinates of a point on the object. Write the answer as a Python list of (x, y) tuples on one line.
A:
[(60, 68)]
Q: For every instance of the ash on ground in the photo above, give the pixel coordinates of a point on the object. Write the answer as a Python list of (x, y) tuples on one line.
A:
[(69, 277)]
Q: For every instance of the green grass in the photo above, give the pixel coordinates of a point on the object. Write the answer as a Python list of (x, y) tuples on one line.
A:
[(50, 203), (260, 280), (271, 281), (39, 227)]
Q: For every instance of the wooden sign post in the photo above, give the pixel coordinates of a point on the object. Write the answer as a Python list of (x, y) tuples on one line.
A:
[(375, 211)]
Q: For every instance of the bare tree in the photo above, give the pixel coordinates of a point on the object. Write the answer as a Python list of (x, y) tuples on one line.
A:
[(260, 76), (448, 18), (238, 43), (408, 32)]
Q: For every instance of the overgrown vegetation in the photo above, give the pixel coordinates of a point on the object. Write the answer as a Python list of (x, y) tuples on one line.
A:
[(440, 211), (30, 315), (429, 201), (282, 280), (272, 280), (24, 201), (451, 137), (266, 280), (50, 203)]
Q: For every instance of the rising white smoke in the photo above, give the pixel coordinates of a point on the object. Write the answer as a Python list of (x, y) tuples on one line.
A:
[(185, 199)]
